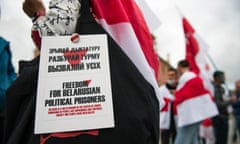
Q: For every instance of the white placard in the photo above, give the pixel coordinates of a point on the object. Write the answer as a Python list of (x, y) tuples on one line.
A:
[(74, 86)]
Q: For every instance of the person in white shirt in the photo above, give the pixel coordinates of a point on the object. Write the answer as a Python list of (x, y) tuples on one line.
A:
[(167, 120)]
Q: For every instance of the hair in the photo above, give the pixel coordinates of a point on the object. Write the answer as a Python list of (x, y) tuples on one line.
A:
[(217, 73), (172, 69), (153, 36), (183, 64)]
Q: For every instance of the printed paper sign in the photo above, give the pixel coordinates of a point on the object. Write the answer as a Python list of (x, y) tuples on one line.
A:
[(74, 86)]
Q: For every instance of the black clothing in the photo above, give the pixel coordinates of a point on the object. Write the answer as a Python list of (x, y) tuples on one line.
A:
[(218, 96), (220, 122), (20, 104)]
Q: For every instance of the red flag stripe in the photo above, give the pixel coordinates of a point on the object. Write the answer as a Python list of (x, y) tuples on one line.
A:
[(192, 88), (187, 27), (192, 47), (124, 22), (193, 101), (196, 54), (126, 11)]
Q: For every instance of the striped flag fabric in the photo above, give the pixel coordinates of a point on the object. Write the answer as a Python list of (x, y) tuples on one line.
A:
[(149, 15), (193, 102), (196, 54), (123, 20), (194, 99)]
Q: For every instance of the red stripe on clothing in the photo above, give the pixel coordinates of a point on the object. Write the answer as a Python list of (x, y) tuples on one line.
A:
[(36, 38), (207, 123), (166, 106)]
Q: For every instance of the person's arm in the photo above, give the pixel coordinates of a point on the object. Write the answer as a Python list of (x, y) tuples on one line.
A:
[(219, 100), (61, 19), (235, 99)]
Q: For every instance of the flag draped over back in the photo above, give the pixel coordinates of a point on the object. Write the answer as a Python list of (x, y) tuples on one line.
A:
[(196, 54), (193, 102), (194, 99), (123, 20)]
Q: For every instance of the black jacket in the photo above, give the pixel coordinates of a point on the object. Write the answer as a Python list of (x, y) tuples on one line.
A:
[(20, 104)]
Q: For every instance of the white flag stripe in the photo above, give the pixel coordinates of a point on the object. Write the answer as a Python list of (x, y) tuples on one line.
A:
[(184, 78), (202, 63), (125, 37), (198, 113), (151, 18)]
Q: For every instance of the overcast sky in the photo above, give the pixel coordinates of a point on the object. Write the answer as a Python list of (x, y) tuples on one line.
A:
[(216, 21)]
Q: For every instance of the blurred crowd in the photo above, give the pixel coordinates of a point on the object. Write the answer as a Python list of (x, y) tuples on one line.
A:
[(223, 128)]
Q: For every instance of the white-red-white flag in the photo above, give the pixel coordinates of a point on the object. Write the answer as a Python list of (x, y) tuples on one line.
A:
[(123, 20), (193, 101), (196, 54), (194, 97), (150, 17)]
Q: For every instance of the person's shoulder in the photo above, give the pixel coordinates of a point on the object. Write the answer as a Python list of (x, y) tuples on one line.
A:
[(3, 44), (26, 66)]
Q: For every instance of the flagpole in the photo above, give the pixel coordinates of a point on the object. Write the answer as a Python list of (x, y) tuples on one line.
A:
[(215, 67), (212, 62), (179, 10)]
